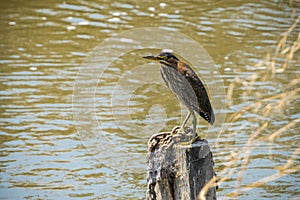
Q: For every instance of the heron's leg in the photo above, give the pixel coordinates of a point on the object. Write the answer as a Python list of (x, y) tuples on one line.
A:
[(185, 121), (194, 124)]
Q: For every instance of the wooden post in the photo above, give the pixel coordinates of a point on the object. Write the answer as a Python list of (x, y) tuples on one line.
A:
[(178, 171)]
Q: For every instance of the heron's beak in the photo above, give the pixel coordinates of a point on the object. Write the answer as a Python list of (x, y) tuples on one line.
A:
[(151, 57)]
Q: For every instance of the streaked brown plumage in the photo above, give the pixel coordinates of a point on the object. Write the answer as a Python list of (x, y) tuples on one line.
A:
[(186, 85)]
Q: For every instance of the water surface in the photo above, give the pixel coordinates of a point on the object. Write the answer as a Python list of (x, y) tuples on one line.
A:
[(44, 155)]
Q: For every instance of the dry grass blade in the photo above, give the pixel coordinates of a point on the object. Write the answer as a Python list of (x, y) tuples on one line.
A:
[(270, 105), (282, 171), (283, 129)]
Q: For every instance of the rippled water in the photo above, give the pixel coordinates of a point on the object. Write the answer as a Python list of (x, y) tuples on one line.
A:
[(57, 142)]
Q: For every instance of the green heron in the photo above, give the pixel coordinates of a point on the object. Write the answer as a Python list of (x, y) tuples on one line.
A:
[(182, 80)]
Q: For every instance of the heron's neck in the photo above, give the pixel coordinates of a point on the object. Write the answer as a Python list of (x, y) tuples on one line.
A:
[(171, 63)]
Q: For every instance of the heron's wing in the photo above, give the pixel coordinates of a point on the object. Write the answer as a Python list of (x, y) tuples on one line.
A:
[(203, 108)]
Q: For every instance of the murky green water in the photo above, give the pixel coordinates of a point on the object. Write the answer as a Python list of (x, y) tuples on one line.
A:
[(57, 146)]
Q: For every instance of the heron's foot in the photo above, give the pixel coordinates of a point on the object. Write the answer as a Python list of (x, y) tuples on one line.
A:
[(186, 130), (182, 129), (196, 138), (186, 143)]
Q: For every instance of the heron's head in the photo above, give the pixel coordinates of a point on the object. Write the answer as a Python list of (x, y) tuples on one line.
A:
[(165, 58)]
